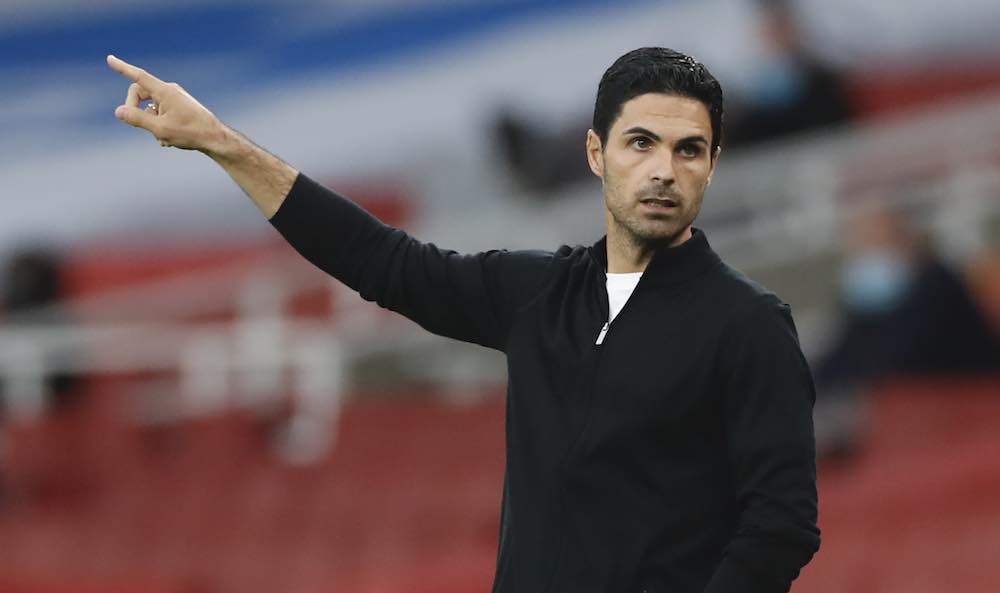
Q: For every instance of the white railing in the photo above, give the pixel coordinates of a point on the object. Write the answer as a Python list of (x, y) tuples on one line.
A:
[(261, 356)]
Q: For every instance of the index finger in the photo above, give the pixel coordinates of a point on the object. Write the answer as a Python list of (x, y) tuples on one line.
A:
[(136, 74)]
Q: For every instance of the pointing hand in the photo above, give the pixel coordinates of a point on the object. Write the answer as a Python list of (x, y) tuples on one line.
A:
[(174, 117)]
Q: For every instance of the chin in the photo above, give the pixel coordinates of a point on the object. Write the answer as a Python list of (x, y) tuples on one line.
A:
[(659, 236), (663, 236)]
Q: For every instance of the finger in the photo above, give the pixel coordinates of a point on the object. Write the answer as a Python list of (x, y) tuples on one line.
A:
[(151, 83), (136, 117), (136, 94)]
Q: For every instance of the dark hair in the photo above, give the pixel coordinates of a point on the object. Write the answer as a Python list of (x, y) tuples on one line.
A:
[(656, 70)]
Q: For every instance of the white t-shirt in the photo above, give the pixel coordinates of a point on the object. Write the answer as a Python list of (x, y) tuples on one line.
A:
[(620, 287)]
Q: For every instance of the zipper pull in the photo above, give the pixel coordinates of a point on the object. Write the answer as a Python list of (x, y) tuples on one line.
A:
[(604, 332)]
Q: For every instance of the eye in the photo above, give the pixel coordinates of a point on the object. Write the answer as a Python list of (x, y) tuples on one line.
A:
[(641, 143), (690, 151)]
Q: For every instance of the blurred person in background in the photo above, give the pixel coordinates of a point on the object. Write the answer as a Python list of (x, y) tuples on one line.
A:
[(31, 293), (905, 312), (790, 90), (659, 419)]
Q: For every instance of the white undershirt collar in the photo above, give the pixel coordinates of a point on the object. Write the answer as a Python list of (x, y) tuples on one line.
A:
[(620, 287)]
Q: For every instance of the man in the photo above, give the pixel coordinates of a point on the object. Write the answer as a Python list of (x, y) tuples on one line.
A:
[(663, 445)]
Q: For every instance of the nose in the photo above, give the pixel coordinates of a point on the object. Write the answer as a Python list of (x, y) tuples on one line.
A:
[(662, 170)]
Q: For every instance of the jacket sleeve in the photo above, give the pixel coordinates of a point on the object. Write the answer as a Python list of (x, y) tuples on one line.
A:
[(466, 297), (767, 403)]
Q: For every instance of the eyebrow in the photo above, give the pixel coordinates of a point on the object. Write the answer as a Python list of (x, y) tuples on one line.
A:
[(643, 131), (695, 139)]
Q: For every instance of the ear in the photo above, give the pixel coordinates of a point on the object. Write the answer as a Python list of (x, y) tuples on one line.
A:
[(715, 161), (595, 153)]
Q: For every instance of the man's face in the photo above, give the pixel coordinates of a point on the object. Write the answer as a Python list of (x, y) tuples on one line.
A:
[(655, 167)]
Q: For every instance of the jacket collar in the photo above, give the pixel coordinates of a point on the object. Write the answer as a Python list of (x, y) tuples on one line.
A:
[(670, 266)]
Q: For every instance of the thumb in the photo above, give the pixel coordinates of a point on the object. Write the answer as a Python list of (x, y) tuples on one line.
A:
[(135, 117)]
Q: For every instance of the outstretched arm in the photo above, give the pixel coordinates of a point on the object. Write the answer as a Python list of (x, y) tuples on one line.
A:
[(467, 297), (177, 119)]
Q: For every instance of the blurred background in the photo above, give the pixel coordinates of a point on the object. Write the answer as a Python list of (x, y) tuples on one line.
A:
[(186, 406)]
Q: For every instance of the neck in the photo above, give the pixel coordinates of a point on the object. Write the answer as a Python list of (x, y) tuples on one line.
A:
[(627, 253), (626, 256)]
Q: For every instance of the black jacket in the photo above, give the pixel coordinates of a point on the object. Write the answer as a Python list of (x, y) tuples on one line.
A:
[(676, 457)]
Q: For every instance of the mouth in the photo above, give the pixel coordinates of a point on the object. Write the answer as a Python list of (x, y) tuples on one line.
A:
[(659, 204)]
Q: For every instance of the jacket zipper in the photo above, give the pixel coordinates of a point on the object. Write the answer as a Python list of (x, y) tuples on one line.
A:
[(590, 405), (607, 324), (596, 353), (604, 332)]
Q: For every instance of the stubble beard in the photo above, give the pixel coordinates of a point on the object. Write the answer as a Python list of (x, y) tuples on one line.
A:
[(646, 235), (644, 239)]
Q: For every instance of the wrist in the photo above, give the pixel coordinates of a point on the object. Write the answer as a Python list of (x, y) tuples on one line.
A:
[(223, 143)]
